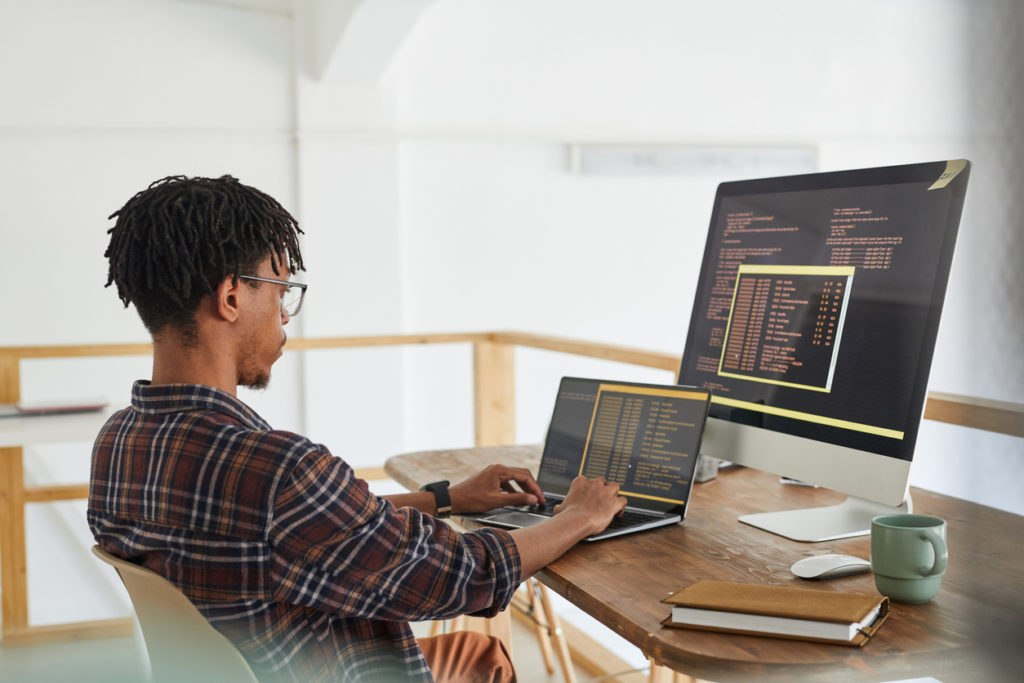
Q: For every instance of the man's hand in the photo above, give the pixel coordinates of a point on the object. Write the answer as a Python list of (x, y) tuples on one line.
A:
[(493, 487), (594, 500), (587, 509)]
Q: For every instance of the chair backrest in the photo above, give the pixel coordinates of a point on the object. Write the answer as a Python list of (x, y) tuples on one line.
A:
[(182, 645)]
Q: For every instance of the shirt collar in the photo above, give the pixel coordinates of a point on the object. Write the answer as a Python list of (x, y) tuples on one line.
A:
[(176, 398)]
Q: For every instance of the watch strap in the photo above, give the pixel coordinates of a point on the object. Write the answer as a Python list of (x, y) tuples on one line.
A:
[(442, 499)]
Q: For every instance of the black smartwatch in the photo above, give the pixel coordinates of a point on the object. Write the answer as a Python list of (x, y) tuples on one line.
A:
[(441, 498)]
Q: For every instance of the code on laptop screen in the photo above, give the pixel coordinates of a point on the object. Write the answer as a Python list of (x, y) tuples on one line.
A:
[(644, 437)]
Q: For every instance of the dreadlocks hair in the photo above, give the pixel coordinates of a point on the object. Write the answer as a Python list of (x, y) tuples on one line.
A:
[(175, 242)]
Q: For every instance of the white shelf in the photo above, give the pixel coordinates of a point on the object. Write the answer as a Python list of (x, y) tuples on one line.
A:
[(35, 429)]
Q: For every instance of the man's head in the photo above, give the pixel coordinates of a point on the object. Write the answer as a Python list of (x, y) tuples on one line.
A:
[(176, 241)]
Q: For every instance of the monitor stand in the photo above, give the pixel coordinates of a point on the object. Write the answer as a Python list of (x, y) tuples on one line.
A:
[(850, 518)]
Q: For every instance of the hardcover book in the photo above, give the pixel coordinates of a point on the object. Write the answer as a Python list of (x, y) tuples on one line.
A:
[(778, 611)]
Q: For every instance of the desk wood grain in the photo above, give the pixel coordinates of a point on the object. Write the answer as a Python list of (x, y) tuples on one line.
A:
[(971, 631)]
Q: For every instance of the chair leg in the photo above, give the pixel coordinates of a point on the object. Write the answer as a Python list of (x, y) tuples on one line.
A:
[(540, 624), (663, 674), (557, 637)]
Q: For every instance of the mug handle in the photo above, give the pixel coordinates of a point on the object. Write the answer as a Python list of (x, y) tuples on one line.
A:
[(941, 552)]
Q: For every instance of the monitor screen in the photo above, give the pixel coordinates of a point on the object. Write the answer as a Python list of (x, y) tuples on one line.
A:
[(819, 299)]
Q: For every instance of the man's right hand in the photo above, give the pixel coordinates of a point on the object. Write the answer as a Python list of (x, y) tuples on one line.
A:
[(595, 501), (588, 508)]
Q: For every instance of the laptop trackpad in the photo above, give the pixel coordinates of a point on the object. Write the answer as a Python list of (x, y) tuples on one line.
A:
[(514, 518)]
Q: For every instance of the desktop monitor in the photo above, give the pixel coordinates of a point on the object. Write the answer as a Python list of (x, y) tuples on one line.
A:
[(814, 324)]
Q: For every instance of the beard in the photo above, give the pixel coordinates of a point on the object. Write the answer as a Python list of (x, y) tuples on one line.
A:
[(258, 381), (251, 374)]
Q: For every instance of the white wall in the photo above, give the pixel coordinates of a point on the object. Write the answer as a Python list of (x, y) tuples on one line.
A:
[(349, 209), (662, 69)]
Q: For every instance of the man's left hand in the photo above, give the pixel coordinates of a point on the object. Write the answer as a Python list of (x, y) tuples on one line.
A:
[(493, 487)]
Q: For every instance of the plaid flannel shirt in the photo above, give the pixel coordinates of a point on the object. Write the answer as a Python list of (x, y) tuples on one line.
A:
[(277, 542)]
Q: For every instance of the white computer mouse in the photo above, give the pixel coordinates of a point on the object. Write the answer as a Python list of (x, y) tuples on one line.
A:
[(829, 566)]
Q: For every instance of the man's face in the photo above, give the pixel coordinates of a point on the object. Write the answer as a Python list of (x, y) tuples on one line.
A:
[(264, 336)]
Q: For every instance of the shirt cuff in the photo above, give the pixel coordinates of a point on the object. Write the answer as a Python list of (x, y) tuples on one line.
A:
[(508, 567)]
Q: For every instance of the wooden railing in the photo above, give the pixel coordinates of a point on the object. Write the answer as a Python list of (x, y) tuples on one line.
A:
[(494, 420)]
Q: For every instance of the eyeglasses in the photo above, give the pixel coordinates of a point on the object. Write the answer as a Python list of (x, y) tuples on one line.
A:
[(291, 300)]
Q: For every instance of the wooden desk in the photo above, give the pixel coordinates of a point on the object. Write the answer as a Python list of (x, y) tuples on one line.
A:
[(971, 631)]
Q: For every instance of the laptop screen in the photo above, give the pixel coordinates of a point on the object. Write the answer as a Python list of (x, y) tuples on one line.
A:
[(646, 437)]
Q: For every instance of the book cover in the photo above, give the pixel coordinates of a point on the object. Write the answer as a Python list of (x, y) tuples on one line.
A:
[(778, 611)]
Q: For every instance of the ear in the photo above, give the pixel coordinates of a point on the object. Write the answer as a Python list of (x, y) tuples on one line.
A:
[(227, 299)]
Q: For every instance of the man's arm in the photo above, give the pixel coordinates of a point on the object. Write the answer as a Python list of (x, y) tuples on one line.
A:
[(588, 508), (490, 488), (383, 562)]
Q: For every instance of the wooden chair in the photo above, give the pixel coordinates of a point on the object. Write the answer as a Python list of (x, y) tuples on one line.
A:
[(181, 643)]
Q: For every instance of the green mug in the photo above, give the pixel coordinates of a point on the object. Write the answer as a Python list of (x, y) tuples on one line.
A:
[(908, 556)]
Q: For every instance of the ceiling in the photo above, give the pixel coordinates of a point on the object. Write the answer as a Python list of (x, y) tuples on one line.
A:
[(349, 41)]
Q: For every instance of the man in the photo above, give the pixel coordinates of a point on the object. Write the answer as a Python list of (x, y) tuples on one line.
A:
[(274, 539)]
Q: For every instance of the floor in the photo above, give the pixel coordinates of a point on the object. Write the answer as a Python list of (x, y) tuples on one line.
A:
[(120, 660), (112, 660)]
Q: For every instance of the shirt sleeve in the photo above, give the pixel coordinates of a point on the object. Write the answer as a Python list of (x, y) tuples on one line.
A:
[(337, 547)]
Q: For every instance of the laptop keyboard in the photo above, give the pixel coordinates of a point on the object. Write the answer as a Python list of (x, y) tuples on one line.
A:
[(628, 518)]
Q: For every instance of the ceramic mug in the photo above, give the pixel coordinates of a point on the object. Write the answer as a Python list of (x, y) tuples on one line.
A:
[(908, 556)]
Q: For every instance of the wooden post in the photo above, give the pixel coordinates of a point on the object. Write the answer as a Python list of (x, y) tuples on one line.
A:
[(494, 419), (13, 578), (494, 393), (10, 378), (13, 581)]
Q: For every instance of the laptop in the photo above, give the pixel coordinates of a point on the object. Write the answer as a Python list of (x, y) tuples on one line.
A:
[(646, 437)]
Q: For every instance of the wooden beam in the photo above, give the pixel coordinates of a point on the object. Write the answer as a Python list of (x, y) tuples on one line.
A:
[(311, 343), (621, 354), (49, 494), (494, 395), (10, 377), (13, 577), (75, 351), (965, 411), (980, 413), (59, 633)]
